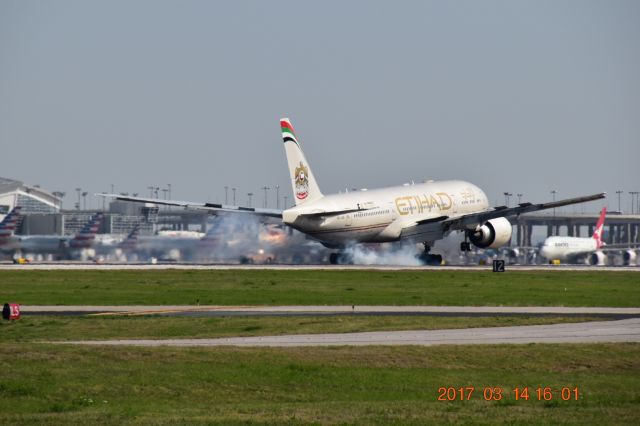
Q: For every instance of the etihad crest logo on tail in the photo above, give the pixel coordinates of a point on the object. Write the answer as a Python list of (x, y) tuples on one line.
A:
[(301, 176)]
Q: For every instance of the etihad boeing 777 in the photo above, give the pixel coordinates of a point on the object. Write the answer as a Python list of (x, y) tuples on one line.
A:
[(424, 212)]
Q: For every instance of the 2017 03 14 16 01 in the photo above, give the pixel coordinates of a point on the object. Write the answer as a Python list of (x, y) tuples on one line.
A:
[(497, 393)]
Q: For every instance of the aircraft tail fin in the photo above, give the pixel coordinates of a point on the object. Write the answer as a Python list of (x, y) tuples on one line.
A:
[(87, 234), (10, 222), (131, 241), (305, 187), (597, 234)]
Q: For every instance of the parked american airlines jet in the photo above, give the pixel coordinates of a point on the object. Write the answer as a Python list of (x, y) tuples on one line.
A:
[(423, 212), (58, 246)]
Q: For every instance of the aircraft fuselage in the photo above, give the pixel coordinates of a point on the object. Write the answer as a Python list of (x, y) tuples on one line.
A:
[(384, 211)]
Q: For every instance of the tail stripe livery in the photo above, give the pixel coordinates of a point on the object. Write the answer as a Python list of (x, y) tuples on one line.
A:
[(597, 234), (10, 222), (288, 134), (131, 241), (85, 237)]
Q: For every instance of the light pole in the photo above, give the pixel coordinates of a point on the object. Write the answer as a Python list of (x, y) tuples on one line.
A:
[(506, 198), (278, 197), (285, 202), (553, 193), (169, 188), (249, 194), (519, 198), (619, 192), (226, 195), (150, 188), (265, 189), (164, 192), (112, 188), (84, 200), (234, 196), (633, 203), (79, 190)]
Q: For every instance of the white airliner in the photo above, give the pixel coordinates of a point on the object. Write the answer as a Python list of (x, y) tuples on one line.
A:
[(424, 212), (572, 248), (583, 250)]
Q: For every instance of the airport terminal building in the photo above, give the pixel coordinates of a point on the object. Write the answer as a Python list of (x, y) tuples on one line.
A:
[(33, 199), (43, 215)]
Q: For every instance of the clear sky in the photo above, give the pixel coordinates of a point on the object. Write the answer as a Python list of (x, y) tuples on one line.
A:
[(514, 96)]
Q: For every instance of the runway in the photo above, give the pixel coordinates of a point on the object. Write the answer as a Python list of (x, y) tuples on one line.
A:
[(587, 332), (197, 266), (220, 310)]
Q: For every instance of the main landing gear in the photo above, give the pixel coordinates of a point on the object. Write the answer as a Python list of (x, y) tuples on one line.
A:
[(429, 259), (465, 246)]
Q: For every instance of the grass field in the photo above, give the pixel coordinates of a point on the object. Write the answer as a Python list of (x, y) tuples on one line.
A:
[(380, 385), (309, 287), (54, 328), (48, 383)]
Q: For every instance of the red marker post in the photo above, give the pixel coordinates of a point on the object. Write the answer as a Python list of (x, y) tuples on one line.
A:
[(11, 311)]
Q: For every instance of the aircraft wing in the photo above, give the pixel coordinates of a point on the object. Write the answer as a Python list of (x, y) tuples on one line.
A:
[(618, 246), (436, 228), (471, 220), (208, 207)]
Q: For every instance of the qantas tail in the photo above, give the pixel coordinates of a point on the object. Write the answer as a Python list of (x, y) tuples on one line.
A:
[(87, 235), (10, 223), (597, 234), (304, 184)]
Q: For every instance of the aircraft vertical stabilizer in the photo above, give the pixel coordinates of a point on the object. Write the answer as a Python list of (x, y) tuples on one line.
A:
[(86, 236), (597, 234), (10, 223), (131, 241), (304, 184)]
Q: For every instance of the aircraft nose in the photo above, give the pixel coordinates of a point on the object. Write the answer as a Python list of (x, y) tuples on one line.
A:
[(544, 252)]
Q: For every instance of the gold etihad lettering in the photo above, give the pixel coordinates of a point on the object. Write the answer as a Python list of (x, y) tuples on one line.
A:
[(423, 202)]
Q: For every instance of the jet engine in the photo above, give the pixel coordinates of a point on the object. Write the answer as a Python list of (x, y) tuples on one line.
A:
[(597, 258), (493, 234), (629, 257)]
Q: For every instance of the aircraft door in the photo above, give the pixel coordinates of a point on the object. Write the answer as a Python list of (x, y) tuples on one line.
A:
[(348, 220)]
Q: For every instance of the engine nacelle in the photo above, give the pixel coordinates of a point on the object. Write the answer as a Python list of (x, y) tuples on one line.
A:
[(493, 234), (598, 258), (629, 257)]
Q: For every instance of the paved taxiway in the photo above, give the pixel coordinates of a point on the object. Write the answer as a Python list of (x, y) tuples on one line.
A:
[(627, 330), (217, 310), (146, 266)]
